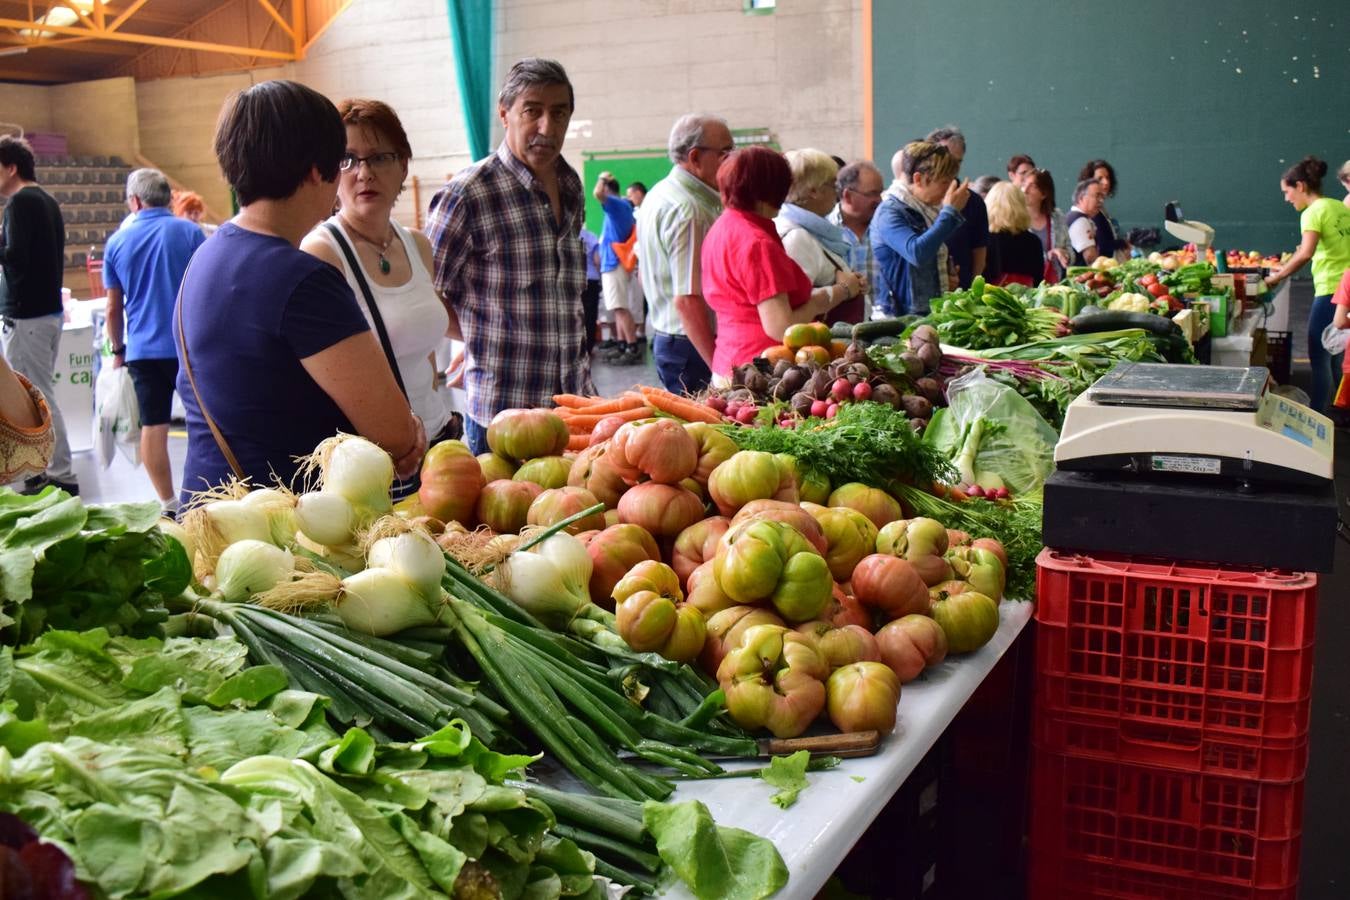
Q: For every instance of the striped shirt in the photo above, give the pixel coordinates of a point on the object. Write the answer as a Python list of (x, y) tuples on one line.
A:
[(514, 277), (674, 217)]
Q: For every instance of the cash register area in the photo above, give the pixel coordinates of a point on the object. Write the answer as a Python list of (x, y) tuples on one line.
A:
[(1326, 831)]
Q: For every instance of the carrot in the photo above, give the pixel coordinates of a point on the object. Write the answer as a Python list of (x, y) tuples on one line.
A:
[(573, 401), (589, 405), (676, 405), (578, 442), (577, 420)]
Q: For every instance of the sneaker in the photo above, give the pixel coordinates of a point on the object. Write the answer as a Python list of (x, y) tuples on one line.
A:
[(169, 508), (606, 346), (634, 355), (38, 483), (613, 355)]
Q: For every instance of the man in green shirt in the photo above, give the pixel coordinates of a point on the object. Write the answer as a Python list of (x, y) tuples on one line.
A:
[(674, 217)]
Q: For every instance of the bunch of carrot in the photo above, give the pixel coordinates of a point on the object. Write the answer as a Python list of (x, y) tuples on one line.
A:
[(582, 414)]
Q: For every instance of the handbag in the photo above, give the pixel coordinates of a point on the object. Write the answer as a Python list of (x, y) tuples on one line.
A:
[(1334, 339), (371, 305)]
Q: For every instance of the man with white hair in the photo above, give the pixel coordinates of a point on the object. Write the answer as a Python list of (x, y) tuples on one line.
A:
[(143, 265), (673, 219)]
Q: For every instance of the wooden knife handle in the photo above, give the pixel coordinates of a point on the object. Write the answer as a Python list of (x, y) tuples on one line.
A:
[(849, 744)]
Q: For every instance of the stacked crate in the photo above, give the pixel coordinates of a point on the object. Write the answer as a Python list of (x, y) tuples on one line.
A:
[(1170, 733)]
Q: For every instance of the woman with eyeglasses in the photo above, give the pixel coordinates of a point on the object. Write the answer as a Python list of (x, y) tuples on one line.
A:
[(274, 353), (812, 240), (387, 266)]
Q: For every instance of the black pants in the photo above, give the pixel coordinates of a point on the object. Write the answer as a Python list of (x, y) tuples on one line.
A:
[(590, 312)]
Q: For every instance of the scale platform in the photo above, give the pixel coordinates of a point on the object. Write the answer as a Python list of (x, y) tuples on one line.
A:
[(1152, 420)]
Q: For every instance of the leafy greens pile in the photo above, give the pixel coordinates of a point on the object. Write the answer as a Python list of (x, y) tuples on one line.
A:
[(867, 442), (168, 768), (67, 565)]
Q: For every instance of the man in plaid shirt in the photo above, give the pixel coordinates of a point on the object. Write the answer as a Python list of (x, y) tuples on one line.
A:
[(509, 261)]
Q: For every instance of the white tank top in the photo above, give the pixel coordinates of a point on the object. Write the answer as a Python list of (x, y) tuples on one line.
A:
[(415, 319)]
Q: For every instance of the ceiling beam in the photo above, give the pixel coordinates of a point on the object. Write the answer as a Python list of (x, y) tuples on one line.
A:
[(151, 40), (87, 45)]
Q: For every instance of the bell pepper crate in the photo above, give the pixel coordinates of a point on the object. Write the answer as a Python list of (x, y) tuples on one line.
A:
[(1222, 649)]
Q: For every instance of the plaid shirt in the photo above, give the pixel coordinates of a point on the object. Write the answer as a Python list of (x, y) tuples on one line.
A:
[(514, 277), (861, 258)]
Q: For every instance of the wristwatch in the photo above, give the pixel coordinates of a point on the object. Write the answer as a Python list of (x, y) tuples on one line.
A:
[(119, 351)]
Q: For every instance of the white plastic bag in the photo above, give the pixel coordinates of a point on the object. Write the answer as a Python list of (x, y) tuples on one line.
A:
[(1334, 339), (117, 415)]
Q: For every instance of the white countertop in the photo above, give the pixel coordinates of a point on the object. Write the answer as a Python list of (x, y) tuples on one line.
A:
[(816, 833)]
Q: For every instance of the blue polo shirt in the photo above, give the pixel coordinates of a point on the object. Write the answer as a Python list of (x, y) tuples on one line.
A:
[(619, 222), (145, 260)]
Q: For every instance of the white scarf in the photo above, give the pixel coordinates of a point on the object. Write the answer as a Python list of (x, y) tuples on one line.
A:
[(900, 191)]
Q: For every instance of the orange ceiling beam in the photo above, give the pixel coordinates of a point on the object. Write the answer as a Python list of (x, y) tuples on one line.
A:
[(153, 40)]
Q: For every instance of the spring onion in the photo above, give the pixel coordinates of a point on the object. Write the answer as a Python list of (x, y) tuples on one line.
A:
[(358, 470), (326, 517), (250, 567), (416, 557)]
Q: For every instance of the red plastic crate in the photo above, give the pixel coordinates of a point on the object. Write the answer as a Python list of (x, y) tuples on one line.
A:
[(1168, 745), (1081, 879), (1238, 831), (1165, 642)]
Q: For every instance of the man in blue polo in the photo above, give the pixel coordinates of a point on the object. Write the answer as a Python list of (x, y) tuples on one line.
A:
[(143, 264)]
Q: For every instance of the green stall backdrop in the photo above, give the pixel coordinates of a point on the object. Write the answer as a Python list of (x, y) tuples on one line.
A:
[(646, 166), (1202, 103)]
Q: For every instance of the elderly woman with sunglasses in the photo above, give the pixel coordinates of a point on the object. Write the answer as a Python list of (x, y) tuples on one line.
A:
[(921, 210), (387, 266)]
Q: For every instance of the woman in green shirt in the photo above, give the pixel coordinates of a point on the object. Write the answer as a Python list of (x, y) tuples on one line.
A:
[(1326, 241)]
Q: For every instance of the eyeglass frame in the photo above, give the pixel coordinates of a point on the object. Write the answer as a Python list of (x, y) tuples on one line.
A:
[(722, 152), (350, 162)]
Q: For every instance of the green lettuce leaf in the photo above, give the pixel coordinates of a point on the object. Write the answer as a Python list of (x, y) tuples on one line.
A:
[(714, 862), (788, 774)]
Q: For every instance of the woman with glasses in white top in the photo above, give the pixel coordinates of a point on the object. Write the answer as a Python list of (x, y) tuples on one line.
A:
[(387, 265)]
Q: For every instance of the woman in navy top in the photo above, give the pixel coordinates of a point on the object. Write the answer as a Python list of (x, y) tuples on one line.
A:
[(279, 352)]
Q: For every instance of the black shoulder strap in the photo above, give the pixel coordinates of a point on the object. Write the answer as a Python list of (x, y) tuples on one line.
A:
[(371, 305)]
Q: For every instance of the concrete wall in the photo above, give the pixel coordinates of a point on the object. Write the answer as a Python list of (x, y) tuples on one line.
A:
[(27, 105), (398, 51), (638, 66), (97, 117)]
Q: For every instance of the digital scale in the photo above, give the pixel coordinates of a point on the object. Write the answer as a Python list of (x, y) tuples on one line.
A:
[(1199, 463)]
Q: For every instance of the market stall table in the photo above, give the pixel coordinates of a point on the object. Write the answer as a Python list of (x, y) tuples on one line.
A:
[(817, 832)]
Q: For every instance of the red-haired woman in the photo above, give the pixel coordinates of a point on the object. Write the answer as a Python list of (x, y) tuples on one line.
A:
[(750, 282)]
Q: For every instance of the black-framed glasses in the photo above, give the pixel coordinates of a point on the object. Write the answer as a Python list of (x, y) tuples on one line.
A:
[(351, 162), (722, 152)]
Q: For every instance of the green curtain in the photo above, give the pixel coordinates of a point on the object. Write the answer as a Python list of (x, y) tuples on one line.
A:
[(471, 31)]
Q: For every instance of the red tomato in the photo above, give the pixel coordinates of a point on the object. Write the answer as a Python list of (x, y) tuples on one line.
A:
[(1148, 279), (1157, 289)]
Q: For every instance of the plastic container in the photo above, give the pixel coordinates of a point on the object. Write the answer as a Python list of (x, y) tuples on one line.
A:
[(1082, 879), (1225, 650), (1209, 828)]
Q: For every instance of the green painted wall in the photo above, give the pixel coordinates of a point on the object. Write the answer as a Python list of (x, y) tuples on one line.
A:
[(1205, 103), (648, 168)]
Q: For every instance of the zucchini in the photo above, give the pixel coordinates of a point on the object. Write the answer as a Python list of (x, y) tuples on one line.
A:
[(841, 331), (870, 331), (1118, 319)]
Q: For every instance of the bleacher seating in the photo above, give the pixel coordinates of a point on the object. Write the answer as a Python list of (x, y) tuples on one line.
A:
[(91, 190)]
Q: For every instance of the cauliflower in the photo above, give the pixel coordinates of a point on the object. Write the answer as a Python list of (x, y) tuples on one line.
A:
[(1130, 303)]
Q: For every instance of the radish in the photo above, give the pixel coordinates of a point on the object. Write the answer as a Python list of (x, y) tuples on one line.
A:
[(832, 411), (716, 402), (841, 390), (862, 391), (746, 414), (819, 408)]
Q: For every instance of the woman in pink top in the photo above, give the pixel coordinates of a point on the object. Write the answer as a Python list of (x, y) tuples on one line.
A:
[(750, 282)]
